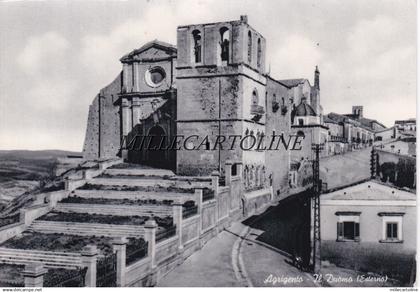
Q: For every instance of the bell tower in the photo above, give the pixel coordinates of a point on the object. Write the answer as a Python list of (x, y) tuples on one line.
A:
[(220, 85)]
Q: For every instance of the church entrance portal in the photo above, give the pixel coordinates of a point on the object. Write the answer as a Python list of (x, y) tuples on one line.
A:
[(157, 157)]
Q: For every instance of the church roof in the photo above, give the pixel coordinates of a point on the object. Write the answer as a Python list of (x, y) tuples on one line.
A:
[(304, 110), (292, 82), (171, 49), (368, 122), (329, 120)]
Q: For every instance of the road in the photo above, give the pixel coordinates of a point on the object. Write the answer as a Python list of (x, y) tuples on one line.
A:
[(246, 254)]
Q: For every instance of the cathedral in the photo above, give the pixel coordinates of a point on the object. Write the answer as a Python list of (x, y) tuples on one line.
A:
[(214, 82)]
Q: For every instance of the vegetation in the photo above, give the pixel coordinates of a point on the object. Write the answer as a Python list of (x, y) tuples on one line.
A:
[(80, 200), (104, 219), (66, 243), (135, 188), (11, 275), (401, 174), (57, 242), (9, 220)]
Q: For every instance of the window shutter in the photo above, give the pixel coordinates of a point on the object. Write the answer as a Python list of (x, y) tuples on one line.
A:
[(388, 231), (395, 235), (340, 230), (356, 231)]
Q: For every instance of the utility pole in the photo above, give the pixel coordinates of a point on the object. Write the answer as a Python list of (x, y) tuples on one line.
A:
[(315, 202), (373, 162)]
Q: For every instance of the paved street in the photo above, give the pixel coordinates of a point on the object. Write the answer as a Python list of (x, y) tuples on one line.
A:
[(209, 267), (246, 254)]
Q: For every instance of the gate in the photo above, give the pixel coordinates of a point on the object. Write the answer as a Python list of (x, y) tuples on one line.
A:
[(106, 271), (65, 278)]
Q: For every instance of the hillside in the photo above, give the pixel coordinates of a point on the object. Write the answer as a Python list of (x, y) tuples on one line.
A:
[(345, 169), (22, 170)]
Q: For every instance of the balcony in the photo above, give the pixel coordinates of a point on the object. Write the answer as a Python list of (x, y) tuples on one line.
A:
[(338, 139), (257, 109), (275, 106)]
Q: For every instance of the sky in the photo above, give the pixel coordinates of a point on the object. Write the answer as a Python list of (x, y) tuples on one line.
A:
[(55, 56)]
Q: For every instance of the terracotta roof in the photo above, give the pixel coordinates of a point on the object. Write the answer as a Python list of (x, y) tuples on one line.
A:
[(155, 43)]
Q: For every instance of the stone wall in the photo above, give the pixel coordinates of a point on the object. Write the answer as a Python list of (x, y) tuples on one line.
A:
[(210, 40), (278, 121), (199, 115), (102, 138)]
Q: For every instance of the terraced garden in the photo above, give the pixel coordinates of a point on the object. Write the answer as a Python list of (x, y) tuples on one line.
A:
[(104, 219), (66, 243), (11, 275), (81, 200), (90, 186)]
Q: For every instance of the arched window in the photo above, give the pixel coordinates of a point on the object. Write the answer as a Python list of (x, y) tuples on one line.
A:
[(249, 47), (197, 45), (255, 97), (259, 53), (224, 43)]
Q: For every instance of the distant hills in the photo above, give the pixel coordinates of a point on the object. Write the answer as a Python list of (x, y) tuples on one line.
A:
[(22, 170), (35, 154)]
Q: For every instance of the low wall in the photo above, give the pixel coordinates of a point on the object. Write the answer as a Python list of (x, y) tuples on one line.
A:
[(396, 168), (133, 271), (256, 200), (208, 215), (28, 215), (11, 230), (71, 184), (386, 259), (223, 203), (54, 197), (190, 229)]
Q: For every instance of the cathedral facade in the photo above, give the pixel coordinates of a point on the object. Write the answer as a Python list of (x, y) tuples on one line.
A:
[(213, 83)]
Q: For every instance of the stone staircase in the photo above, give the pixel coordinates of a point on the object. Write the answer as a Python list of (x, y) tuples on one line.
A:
[(133, 195), (151, 186), (108, 209), (87, 229), (148, 182), (49, 259)]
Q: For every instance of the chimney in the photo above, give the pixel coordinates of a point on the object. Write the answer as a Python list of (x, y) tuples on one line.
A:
[(244, 18), (316, 78)]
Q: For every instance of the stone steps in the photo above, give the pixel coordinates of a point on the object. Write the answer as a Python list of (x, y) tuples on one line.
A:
[(87, 229), (139, 172), (108, 209), (142, 182), (133, 195), (47, 258)]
